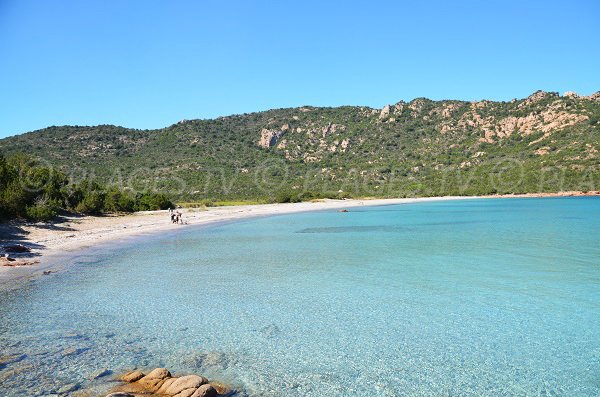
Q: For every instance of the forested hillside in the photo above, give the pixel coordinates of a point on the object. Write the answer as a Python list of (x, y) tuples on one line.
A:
[(542, 143)]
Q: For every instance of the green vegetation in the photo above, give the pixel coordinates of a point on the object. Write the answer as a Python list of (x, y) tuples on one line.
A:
[(31, 190), (543, 143)]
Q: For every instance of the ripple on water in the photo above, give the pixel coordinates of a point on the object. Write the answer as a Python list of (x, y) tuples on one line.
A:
[(481, 297)]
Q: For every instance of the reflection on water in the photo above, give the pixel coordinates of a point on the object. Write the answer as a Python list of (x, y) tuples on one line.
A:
[(466, 298)]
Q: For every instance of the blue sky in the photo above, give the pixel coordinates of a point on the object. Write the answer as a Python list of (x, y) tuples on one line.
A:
[(148, 64)]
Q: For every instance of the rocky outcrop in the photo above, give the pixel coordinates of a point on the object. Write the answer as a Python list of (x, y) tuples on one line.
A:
[(594, 97), (571, 94), (160, 383), (537, 97), (270, 137), (385, 112)]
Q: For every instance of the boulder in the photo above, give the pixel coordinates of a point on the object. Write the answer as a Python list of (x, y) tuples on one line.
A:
[(185, 382), (186, 393), (205, 391), (155, 379), (166, 384), (158, 373), (132, 376)]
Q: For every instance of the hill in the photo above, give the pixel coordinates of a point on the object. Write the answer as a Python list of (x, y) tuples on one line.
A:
[(545, 142)]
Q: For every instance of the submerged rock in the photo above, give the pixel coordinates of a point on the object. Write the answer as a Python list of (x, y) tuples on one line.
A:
[(73, 351), (71, 387), (10, 359), (100, 373)]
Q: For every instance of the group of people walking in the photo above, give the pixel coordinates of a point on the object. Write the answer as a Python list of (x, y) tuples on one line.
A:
[(176, 216)]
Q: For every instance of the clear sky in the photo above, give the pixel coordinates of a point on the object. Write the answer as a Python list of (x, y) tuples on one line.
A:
[(149, 64)]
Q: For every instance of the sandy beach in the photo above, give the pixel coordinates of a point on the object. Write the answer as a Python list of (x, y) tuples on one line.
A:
[(72, 233)]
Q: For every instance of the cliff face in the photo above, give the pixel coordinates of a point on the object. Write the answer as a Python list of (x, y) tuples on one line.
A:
[(402, 149)]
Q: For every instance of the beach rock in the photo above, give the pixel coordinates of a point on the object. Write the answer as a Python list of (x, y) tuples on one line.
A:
[(186, 393), (186, 382), (205, 391), (71, 387), (166, 384), (155, 379), (132, 376), (158, 373), (222, 389)]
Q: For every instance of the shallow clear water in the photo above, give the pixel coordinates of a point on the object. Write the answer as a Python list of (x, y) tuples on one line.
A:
[(459, 298)]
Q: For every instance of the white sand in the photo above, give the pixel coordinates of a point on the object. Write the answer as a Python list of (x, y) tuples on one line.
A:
[(75, 233)]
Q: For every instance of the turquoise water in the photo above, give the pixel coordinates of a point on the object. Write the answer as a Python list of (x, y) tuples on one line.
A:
[(459, 298)]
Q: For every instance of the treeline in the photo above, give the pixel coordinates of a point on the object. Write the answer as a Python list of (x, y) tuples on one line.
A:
[(33, 191)]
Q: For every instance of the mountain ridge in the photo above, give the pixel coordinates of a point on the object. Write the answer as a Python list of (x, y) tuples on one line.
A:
[(402, 149)]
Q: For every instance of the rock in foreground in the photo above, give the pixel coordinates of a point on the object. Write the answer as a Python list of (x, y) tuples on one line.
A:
[(159, 382)]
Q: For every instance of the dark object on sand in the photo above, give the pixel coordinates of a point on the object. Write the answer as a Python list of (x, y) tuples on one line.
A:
[(16, 248)]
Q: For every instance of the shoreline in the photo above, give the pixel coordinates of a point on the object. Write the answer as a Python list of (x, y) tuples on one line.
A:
[(49, 242)]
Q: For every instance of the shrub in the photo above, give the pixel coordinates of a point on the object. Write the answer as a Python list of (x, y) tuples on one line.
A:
[(92, 203), (44, 209), (151, 202)]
